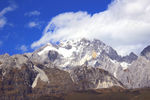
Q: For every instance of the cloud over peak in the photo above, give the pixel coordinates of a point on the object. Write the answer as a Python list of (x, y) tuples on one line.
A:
[(125, 24)]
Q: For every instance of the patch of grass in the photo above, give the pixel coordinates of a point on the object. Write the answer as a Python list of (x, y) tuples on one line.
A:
[(105, 94), (50, 98)]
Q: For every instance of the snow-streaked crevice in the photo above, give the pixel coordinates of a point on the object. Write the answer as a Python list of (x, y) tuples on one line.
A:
[(41, 74)]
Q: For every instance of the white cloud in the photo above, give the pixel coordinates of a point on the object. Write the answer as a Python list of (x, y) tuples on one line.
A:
[(125, 49), (33, 24), (125, 25), (23, 48), (2, 22), (3, 19), (7, 9), (32, 13)]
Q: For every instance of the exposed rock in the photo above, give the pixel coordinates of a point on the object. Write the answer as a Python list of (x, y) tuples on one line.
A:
[(59, 82), (137, 75), (16, 83), (93, 78)]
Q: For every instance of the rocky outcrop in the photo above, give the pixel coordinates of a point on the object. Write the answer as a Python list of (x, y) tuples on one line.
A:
[(137, 75), (59, 82), (93, 78), (16, 83)]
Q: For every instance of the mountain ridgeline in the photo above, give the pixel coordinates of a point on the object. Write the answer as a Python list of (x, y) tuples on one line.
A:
[(73, 65)]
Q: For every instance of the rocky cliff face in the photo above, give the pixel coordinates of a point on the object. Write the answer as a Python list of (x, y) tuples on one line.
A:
[(15, 84), (137, 75), (93, 78)]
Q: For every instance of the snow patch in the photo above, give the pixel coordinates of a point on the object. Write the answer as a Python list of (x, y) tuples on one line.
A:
[(124, 65), (35, 81), (113, 61), (40, 75), (48, 48), (65, 52)]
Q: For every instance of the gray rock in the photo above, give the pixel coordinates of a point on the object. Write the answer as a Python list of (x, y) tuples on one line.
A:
[(93, 78)]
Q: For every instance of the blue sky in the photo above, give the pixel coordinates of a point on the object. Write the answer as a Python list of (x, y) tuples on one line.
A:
[(27, 24), (26, 19)]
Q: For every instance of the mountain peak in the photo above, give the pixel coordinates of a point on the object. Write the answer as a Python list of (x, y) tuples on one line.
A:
[(146, 52), (71, 53), (130, 58), (48, 44)]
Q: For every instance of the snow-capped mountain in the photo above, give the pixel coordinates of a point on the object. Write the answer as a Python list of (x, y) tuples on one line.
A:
[(72, 65), (68, 54)]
